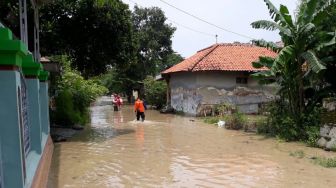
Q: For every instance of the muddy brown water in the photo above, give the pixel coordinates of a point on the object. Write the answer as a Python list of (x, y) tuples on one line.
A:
[(175, 151)]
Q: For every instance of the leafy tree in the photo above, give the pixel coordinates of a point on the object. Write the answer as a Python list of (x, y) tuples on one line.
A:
[(96, 34), (9, 17), (170, 60), (154, 53), (297, 63), (328, 23), (154, 37)]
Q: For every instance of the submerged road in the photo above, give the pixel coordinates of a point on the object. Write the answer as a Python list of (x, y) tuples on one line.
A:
[(175, 151)]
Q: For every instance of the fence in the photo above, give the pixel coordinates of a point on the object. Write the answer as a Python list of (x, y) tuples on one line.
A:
[(24, 116)]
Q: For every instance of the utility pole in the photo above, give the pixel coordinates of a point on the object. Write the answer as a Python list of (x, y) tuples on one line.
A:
[(23, 21), (216, 38), (36, 31), (24, 26)]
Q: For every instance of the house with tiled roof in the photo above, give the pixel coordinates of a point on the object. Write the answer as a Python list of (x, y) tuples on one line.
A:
[(218, 74)]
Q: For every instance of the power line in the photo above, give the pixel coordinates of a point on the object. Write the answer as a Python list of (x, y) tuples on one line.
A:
[(133, 1), (189, 28), (200, 19), (186, 27)]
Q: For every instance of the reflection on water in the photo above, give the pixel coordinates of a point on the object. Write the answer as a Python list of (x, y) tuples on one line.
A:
[(174, 151)]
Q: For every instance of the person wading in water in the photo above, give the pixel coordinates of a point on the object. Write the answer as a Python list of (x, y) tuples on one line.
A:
[(139, 108)]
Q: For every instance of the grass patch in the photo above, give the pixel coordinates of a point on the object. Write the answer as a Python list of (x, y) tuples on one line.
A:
[(298, 154), (325, 162), (211, 120), (256, 118), (248, 121)]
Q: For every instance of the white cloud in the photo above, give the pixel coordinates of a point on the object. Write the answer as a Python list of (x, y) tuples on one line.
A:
[(234, 15)]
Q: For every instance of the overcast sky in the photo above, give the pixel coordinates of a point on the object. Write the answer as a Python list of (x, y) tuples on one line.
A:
[(233, 15)]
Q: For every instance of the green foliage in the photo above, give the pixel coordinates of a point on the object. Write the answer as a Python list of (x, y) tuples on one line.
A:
[(298, 154), (224, 108), (112, 82), (301, 40), (155, 92), (281, 124), (154, 52), (75, 94), (313, 135), (170, 60), (96, 34), (154, 37), (212, 120), (65, 113), (264, 127), (236, 121), (300, 67), (325, 162), (233, 121)]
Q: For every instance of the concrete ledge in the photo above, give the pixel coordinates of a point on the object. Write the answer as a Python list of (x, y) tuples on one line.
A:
[(41, 176)]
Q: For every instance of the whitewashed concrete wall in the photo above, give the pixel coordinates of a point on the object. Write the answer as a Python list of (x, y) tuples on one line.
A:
[(191, 91)]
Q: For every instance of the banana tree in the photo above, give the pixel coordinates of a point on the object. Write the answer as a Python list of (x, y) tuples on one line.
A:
[(297, 60)]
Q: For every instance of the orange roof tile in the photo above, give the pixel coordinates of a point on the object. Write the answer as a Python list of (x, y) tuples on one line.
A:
[(223, 57)]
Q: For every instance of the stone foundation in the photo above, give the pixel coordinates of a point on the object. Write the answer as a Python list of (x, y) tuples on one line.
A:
[(328, 137)]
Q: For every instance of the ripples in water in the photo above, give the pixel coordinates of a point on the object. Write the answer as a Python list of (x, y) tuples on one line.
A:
[(170, 151)]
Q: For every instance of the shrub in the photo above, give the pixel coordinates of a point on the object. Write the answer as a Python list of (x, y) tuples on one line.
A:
[(211, 120), (325, 162), (298, 154), (64, 113), (313, 134), (155, 92), (236, 121), (74, 95), (282, 124), (263, 127), (224, 108)]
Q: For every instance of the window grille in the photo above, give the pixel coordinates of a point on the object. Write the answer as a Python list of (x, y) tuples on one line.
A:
[(23, 107)]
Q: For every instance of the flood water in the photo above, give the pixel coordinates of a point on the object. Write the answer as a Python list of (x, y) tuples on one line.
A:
[(175, 151)]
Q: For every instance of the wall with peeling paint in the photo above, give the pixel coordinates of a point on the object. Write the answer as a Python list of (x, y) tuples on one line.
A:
[(191, 92)]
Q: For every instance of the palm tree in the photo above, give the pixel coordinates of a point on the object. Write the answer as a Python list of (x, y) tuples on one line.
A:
[(297, 64)]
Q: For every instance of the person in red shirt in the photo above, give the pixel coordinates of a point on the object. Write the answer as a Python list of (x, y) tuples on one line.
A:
[(115, 102), (139, 108), (119, 102)]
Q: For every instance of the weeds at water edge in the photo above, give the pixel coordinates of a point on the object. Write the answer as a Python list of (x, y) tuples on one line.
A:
[(298, 154), (325, 162), (211, 120)]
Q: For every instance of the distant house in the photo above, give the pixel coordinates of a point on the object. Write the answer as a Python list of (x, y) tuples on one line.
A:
[(218, 74)]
